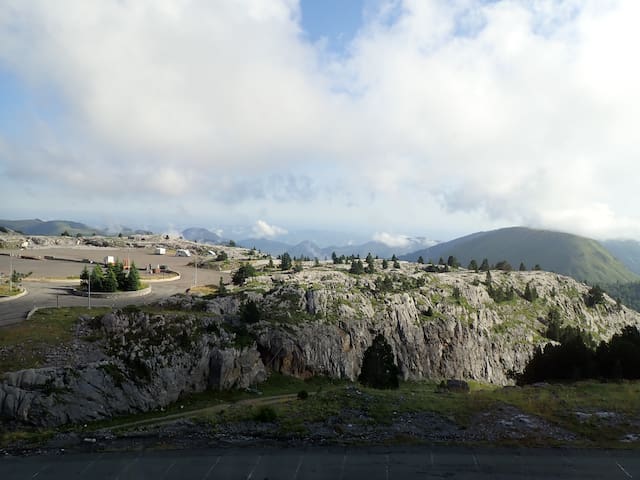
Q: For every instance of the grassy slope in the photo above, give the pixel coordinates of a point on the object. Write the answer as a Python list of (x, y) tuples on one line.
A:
[(47, 328), (628, 251), (578, 257)]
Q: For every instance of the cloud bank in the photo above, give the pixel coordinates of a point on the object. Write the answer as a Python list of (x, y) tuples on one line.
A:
[(262, 229), (462, 112)]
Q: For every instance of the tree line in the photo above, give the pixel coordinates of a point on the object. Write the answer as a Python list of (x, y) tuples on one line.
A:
[(578, 357), (111, 278)]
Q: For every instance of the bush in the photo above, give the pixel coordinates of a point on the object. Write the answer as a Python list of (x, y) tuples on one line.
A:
[(303, 395), (265, 414), (250, 312), (594, 296), (245, 271)]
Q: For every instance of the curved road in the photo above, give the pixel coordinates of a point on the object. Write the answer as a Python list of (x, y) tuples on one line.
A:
[(52, 294)]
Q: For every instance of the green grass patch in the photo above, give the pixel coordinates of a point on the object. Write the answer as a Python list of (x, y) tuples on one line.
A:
[(25, 438), (27, 342), (5, 291)]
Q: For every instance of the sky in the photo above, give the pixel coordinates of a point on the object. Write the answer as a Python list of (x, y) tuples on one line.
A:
[(388, 118)]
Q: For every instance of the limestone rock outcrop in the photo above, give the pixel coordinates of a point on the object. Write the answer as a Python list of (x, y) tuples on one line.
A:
[(316, 322)]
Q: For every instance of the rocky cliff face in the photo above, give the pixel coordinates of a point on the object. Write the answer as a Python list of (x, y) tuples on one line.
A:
[(319, 321)]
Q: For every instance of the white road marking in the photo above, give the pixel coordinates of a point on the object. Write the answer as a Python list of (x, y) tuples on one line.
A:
[(344, 461), (39, 471), (170, 467), (431, 458), (295, 475), (475, 462), (387, 467), (624, 471), (211, 469), (90, 464), (127, 467), (254, 468)]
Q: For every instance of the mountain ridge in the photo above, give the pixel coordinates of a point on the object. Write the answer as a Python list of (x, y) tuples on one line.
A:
[(582, 258)]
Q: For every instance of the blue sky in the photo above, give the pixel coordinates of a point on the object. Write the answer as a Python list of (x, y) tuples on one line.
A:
[(335, 21), (384, 117)]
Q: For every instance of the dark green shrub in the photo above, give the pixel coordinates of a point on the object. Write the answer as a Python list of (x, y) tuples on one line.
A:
[(379, 369), (265, 414)]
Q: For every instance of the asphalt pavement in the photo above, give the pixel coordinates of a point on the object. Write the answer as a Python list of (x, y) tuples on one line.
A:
[(58, 293), (330, 463)]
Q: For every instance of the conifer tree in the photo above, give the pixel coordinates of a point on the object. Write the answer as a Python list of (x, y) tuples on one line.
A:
[(133, 279), (97, 279), (110, 282)]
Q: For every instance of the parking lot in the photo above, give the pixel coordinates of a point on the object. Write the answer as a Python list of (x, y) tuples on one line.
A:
[(51, 281)]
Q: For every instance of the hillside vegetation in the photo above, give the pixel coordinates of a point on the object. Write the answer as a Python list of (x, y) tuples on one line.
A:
[(578, 257)]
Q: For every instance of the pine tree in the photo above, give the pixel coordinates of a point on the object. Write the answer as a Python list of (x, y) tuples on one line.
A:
[(84, 277), (379, 369), (121, 275), (530, 292), (222, 289), (357, 267), (270, 265), (285, 261), (420, 259), (371, 268), (385, 264), (473, 265), (110, 282), (133, 279), (522, 267), (97, 279), (484, 266)]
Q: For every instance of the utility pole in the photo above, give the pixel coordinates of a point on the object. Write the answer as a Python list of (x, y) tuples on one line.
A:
[(10, 273), (89, 295), (195, 280)]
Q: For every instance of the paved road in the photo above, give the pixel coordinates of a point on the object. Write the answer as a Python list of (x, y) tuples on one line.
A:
[(51, 294), (334, 463)]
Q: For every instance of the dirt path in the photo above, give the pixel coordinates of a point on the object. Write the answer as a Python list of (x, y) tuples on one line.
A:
[(251, 402)]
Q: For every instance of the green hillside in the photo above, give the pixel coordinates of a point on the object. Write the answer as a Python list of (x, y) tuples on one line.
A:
[(627, 251), (581, 258), (52, 227)]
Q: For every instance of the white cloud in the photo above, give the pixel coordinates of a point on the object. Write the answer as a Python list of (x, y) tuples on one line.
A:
[(483, 113), (392, 240), (262, 229)]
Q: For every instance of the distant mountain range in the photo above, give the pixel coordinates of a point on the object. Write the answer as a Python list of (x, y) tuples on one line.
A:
[(202, 235), (58, 227), (607, 262), (52, 227), (309, 249), (581, 258)]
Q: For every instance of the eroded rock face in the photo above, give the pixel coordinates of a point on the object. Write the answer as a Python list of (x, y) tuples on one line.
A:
[(315, 322), (153, 361)]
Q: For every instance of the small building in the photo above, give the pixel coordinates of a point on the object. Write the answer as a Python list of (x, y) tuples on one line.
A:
[(161, 251), (183, 253), (109, 260)]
